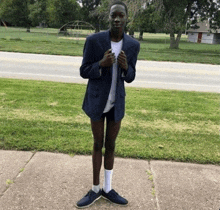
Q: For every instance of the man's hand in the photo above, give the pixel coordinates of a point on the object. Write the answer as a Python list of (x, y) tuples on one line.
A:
[(122, 60), (108, 59)]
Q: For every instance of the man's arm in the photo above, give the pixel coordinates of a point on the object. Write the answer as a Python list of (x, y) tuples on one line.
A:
[(129, 73), (90, 68)]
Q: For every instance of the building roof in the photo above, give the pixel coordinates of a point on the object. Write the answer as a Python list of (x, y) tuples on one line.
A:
[(203, 27)]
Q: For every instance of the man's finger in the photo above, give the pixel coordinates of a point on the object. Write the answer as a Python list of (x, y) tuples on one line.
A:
[(122, 59), (110, 55), (113, 59), (108, 51), (122, 55)]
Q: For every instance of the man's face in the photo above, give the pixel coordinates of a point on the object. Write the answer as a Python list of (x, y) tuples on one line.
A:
[(117, 18)]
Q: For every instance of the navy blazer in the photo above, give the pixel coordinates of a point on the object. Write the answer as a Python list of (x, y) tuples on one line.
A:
[(99, 85)]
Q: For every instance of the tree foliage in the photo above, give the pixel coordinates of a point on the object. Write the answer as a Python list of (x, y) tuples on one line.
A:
[(16, 12), (89, 4), (135, 7), (61, 12), (38, 13), (215, 15), (26, 13), (88, 7), (144, 20)]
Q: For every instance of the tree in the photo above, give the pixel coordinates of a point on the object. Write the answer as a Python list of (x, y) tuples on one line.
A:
[(16, 12), (89, 4), (144, 20), (215, 13), (88, 7), (38, 12), (217, 18), (135, 8), (62, 11), (173, 15)]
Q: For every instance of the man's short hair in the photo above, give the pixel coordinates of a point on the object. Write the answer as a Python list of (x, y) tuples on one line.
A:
[(121, 3)]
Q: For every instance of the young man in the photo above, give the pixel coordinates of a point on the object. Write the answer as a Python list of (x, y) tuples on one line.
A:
[(109, 59)]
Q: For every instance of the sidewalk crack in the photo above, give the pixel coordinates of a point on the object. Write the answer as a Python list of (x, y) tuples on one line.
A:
[(151, 178), (22, 169), (10, 182)]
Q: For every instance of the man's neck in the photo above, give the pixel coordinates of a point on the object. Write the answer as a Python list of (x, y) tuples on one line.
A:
[(116, 37)]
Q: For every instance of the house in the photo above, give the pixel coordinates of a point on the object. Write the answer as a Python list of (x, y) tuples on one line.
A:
[(203, 34)]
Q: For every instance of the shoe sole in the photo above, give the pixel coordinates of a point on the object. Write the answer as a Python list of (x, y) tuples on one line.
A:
[(83, 207), (114, 203)]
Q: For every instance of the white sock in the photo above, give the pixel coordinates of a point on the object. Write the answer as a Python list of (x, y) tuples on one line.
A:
[(107, 185), (96, 188)]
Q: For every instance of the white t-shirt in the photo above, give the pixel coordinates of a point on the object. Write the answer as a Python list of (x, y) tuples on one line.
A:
[(116, 48)]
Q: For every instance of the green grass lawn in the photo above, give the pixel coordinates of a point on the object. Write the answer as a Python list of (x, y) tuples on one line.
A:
[(154, 47), (159, 124)]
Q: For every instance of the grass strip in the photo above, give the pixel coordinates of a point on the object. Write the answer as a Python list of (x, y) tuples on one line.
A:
[(153, 47), (159, 124)]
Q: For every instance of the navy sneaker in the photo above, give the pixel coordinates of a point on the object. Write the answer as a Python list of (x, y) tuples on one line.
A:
[(114, 197), (90, 198)]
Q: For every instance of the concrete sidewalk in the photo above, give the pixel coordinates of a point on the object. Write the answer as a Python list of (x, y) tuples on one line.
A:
[(57, 181)]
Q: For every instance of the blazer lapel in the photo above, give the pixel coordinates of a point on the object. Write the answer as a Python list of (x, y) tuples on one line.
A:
[(107, 44), (107, 47), (124, 45)]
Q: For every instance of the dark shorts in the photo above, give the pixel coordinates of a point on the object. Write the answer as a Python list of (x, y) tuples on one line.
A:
[(110, 115)]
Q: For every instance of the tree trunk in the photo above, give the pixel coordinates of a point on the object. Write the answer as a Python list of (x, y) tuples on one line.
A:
[(141, 35), (174, 42), (97, 26), (97, 29), (28, 28), (179, 37), (131, 32)]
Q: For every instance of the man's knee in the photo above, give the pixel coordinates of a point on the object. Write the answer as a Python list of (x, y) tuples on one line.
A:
[(98, 146), (110, 146)]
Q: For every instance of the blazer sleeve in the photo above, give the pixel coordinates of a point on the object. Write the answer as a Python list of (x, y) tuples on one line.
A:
[(131, 72), (90, 68)]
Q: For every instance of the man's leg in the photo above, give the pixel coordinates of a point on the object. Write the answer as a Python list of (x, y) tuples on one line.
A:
[(108, 193), (98, 135), (112, 130), (95, 193)]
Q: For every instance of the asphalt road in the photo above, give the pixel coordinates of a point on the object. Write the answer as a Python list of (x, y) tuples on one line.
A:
[(150, 74)]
